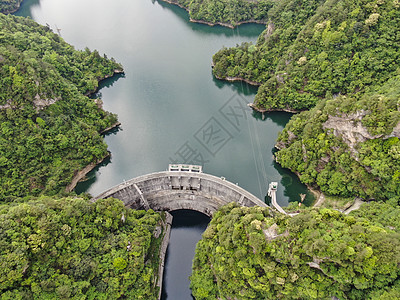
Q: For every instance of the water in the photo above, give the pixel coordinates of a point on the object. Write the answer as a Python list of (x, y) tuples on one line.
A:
[(187, 229), (170, 106)]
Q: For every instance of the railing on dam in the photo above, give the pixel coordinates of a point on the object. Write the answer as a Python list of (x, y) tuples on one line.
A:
[(181, 187)]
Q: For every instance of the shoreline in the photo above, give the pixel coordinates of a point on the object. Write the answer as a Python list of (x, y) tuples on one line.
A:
[(163, 251), (216, 23), (257, 84), (8, 12), (236, 79), (225, 24), (115, 125), (263, 110), (116, 72), (81, 174), (319, 196)]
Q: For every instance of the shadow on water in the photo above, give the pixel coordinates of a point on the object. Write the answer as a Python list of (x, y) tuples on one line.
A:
[(187, 228), (91, 178), (248, 30), (293, 186), (280, 118), (106, 83), (242, 88), (290, 181), (113, 131), (26, 6)]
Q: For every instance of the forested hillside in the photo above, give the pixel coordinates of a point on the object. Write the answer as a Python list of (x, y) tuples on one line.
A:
[(343, 57), (385, 213), (8, 6), (62, 248), (251, 253), (314, 49), (71, 249), (49, 129), (225, 12), (348, 146)]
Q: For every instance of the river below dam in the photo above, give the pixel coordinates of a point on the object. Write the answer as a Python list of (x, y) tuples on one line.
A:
[(171, 107)]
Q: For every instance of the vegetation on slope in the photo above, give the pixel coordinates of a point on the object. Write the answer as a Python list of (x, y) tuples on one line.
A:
[(226, 12), (9, 6), (347, 146), (312, 50), (385, 213), (250, 253), (71, 249), (310, 53), (49, 129)]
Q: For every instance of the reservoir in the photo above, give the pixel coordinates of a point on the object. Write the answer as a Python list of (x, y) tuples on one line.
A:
[(171, 107)]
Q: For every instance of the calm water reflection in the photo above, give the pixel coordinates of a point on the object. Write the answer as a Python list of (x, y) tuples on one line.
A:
[(187, 229), (167, 102), (168, 97)]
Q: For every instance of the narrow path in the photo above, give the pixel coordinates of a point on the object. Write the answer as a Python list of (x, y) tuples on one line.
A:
[(356, 205), (321, 199), (272, 193)]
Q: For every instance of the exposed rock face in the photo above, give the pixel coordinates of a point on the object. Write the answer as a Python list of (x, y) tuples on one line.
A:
[(395, 132), (352, 131), (7, 105), (270, 30), (271, 232), (40, 103)]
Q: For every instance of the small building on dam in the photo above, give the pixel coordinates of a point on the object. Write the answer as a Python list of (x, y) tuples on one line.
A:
[(181, 187)]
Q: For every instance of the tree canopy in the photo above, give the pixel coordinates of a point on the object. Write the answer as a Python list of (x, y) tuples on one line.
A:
[(226, 12), (8, 6), (316, 49), (252, 253), (72, 249), (347, 146), (49, 128)]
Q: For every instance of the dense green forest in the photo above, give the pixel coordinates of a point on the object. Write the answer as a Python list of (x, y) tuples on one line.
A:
[(385, 213), (225, 12), (338, 58), (49, 128), (312, 53), (316, 49), (62, 248), (72, 249), (8, 6), (253, 253), (348, 146)]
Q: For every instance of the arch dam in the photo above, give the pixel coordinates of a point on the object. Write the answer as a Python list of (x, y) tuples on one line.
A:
[(181, 187)]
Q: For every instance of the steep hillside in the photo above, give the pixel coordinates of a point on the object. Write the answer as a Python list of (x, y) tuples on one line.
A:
[(348, 146), (49, 129), (225, 12), (71, 249), (314, 50), (9, 6), (250, 253)]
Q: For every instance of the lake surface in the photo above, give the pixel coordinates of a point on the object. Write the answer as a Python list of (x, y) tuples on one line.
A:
[(171, 107)]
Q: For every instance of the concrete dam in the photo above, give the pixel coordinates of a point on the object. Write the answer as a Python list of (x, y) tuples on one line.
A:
[(181, 187)]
